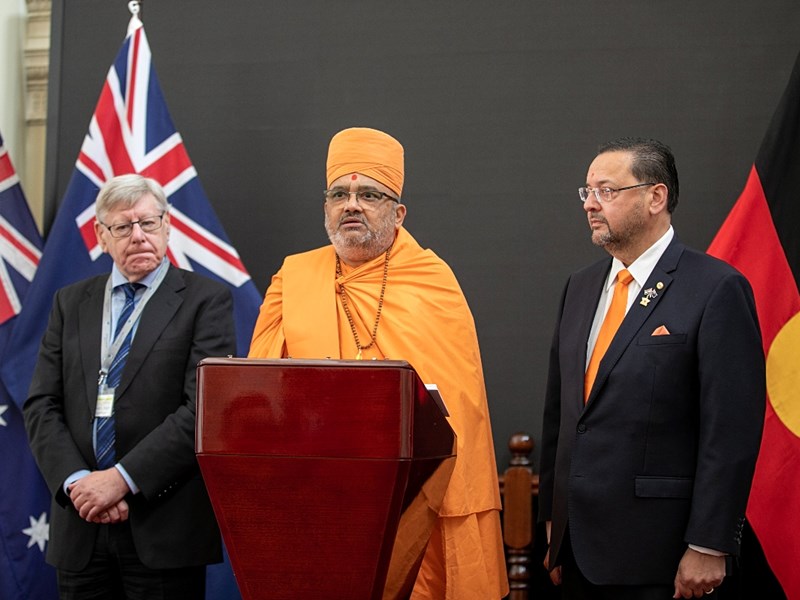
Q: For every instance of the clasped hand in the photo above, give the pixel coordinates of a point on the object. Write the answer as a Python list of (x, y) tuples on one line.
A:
[(99, 497)]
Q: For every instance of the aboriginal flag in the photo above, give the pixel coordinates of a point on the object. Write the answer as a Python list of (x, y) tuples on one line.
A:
[(761, 238)]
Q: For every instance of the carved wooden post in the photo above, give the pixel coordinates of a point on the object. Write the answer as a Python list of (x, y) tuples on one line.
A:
[(37, 69), (519, 484)]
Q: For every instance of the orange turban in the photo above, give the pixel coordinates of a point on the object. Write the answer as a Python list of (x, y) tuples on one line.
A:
[(369, 152)]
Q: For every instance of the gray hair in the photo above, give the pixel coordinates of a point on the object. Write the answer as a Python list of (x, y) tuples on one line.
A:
[(125, 191)]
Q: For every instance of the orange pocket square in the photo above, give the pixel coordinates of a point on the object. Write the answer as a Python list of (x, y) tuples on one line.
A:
[(660, 331)]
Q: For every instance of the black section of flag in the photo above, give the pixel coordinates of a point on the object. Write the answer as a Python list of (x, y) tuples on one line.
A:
[(778, 166)]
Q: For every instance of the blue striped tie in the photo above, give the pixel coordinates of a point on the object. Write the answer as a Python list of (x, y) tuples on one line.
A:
[(104, 448)]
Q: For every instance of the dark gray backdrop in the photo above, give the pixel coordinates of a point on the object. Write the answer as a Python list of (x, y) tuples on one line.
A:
[(499, 105)]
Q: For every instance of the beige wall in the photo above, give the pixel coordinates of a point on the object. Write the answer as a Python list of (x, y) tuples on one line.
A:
[(24, 48), (12, 97)]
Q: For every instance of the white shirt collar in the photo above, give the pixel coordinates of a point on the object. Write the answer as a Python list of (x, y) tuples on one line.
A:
[(117, 278), (644, 265)]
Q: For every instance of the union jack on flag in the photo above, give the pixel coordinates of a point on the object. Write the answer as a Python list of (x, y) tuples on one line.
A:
[(20, 243), (131, 131)]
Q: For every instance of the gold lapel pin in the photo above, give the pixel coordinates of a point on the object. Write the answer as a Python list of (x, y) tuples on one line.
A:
[(649, 294)]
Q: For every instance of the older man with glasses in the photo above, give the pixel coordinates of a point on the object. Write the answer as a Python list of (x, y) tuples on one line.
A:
[(374, 293), (111, 411), (655, 398)]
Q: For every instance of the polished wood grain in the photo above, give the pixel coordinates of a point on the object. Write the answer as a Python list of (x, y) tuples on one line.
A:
[(324, 475), (519, 488)]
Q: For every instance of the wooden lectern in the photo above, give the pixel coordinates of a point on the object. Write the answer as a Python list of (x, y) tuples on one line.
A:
[(326, 476)]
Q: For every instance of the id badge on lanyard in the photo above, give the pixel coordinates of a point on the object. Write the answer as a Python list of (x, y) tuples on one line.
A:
[(105, 394), (105, 400)]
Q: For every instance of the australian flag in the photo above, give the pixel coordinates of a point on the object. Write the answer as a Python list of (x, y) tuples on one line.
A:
[(24, 498), (131, 132)]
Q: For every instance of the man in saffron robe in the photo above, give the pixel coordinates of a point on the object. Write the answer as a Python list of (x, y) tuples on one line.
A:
[(375, 293)]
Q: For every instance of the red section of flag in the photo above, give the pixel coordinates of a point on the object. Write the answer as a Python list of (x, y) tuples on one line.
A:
[(6, 310), (87, 233), (131, 85), (6, 168), (91, 166), (108, 122), (17, 246), (203, 241), (749, 241), (171, 165)]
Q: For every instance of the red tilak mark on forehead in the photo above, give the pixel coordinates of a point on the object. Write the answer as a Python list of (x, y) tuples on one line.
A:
[(354, 177)]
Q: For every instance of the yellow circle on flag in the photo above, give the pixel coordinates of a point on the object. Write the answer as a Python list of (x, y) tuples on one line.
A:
[(783, 374)]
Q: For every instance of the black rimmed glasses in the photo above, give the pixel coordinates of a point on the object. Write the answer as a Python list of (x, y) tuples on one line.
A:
[(606, 194), (147, 224), (366, 198)]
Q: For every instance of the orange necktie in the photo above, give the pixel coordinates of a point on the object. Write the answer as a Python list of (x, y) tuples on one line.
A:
[(614, 316)]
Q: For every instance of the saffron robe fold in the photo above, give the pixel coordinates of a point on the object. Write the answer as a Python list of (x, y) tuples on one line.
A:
[(426, 321)]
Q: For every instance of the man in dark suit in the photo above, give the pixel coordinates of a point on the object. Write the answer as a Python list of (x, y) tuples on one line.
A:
[(651, 429), (130, 515)]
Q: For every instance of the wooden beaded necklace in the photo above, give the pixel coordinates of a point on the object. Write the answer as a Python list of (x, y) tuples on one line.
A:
[(343, 295)]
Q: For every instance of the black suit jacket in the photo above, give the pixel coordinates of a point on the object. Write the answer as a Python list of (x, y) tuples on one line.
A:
[(662, 454), (188, 318)]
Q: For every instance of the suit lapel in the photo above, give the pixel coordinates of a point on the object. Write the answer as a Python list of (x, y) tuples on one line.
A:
[(155, 318), (596, 279), (580, 304), (90, 329), (658, 282)]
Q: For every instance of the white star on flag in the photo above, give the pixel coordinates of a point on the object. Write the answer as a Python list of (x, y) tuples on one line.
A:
[(39, 531), (3, 409)]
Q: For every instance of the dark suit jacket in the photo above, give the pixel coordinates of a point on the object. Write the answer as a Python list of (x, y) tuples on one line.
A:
[(663, 453), (188, 318)]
